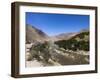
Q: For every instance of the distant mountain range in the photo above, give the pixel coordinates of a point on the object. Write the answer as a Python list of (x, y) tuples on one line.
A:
[(64, 36), (34, 34)]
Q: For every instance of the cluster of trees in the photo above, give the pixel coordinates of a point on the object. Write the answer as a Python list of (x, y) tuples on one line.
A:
[(81, 35), (73, 44)]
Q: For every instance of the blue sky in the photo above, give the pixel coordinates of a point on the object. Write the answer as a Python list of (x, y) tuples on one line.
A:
[(54, 24)]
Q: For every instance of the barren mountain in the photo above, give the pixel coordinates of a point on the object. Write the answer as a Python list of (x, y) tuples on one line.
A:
[(64, 36), (34, 34)]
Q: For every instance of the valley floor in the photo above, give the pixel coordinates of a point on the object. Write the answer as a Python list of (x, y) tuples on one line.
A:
[(62, 59)]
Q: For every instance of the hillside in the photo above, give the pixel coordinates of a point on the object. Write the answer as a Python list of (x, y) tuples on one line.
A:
[(77, 42), (34, 34)]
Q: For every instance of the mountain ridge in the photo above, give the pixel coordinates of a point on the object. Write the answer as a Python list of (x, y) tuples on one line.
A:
[(35, 34)]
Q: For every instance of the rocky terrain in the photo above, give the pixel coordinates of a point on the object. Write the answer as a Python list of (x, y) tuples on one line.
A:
[(62, 49)]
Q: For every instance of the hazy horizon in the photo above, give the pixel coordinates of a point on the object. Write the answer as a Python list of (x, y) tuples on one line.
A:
[(54, 24)]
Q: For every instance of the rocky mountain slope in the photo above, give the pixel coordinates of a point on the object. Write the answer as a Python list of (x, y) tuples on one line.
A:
[(78, 42), (34, 34)]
